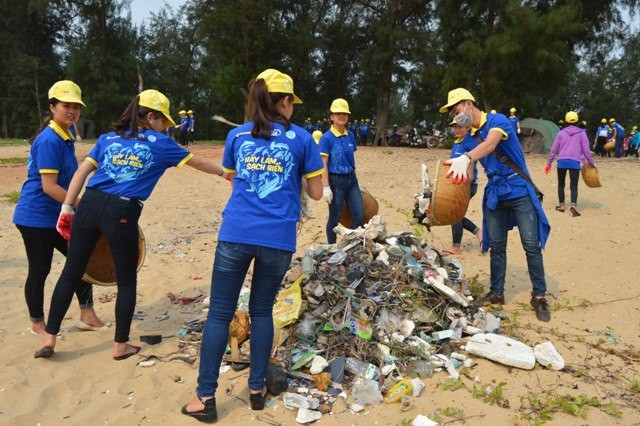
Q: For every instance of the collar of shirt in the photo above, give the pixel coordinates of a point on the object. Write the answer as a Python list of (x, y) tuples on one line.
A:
[(64, 135), (337, 133)]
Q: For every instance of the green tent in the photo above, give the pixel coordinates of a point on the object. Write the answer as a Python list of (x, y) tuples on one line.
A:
[(537, 135)]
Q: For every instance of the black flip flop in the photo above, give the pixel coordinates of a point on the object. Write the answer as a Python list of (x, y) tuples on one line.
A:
[(129, 354), (560, 209), (574, 212)]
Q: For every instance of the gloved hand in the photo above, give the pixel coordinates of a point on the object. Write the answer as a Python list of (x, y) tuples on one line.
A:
[(65, 220), (518, 131), (458, 169), (547, 169), (327, 194)]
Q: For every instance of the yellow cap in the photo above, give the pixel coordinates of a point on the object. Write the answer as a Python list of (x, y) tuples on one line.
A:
[(317, 134), (340, 106), (512, 109), (278, 82), (156, 101), (571, 117), (612, 120), (493, 111), (190, 112), (66, 91), (603, 121), (182, 112), (456, 96)]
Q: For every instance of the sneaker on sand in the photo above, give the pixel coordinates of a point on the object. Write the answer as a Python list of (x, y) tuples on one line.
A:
[(491, 298), (542, 308)]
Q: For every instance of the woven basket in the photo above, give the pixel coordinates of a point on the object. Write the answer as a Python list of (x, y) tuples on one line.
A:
[(449, 201), (590, 176), (369, 206), (610, 146), (101, 270)]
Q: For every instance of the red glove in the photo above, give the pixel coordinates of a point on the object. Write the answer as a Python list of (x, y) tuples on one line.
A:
[(65, 220), (547, 169)]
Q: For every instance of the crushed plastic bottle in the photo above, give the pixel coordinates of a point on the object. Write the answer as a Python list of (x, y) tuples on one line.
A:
[(307, 263), (400, 389), (365, 391), (361, 369)]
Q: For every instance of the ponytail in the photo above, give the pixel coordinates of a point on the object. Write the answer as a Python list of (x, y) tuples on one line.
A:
[(132, 119), (44, 123), (262, 109)]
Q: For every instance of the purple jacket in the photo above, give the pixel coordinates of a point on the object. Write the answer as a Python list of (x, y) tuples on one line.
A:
[(571, 144)]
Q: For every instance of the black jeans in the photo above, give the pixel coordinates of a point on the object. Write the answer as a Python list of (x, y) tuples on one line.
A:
[(574, 176), (116, 218), (39, 244), (458, 228)]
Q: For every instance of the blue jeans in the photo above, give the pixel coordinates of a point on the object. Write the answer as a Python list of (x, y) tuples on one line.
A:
[(345, 189), (230, 268), (116, 218), (619, 147), (526, 218), (458, 228)]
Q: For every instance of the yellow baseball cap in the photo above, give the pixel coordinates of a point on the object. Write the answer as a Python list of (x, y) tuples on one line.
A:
[(339, 106), (317, 134), (156, 101), (66, 91), (190, 112), (455, 96), (278, 82), (571, 117)]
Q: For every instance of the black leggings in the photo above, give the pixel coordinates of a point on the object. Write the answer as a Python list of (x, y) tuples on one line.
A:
[(574, 176), (116, 218), (39, 244)]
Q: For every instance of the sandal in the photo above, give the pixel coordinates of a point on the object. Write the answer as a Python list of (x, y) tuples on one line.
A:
[(560, 209), (258, 399), (207, 415), (574, 212)]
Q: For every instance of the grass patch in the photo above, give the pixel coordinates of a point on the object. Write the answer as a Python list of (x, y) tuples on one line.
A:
[(14, 160), (11, 197), (13, 142)]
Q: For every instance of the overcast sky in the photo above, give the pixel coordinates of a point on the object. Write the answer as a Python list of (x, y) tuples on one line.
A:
[(140, 8)]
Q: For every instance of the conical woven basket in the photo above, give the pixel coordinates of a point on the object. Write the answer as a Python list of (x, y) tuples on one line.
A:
[(101, 270), (449, 201), (369, 206), (591, 176), (610, 146)]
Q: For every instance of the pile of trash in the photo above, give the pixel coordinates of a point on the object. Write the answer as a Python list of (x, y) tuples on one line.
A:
[(373, 315)]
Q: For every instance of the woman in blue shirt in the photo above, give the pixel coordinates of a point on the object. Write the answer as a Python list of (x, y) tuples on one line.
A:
[(268, 158), (52, 163), (128, 162)]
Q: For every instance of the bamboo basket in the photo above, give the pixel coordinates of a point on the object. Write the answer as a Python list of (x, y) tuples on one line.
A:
[(590, 176), (369, 207), (449, 201), (101, 270)]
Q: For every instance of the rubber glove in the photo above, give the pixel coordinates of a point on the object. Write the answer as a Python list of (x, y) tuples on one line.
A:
[(547, 169), (458, 169), (327, 194), (65, 220)]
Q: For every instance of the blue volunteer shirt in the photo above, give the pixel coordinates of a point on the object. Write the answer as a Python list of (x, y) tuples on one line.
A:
[(603, 131), (52, 152), (339, 147), (514, 122), (264, 207), (184, 123), (132, 167), (503, 182), (192, 122)]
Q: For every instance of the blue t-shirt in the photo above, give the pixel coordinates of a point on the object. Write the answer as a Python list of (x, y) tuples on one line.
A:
[(339, 147), (184, 123), (467, 143), (192, 122), (619, 131), (53, 151), (603, 131), (264, 207), (132, 167), (507, 183), (514, 122)]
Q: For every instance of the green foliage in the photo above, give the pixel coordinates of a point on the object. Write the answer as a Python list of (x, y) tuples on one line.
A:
[(453, 412), (452, 385), (14, 160), (634, 385), (12, 197)]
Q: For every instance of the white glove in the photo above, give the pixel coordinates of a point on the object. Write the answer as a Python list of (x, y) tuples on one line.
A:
[(327, 194), (518, 130), (458, 169)]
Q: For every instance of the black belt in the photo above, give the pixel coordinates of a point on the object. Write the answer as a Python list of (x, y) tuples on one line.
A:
[(115, 196)]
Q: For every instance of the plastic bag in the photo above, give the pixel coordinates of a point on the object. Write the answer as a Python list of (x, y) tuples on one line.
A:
[(288, 304)]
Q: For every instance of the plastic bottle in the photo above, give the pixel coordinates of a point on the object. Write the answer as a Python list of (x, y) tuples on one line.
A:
[(395, 394), (307, 263), (361, 369)]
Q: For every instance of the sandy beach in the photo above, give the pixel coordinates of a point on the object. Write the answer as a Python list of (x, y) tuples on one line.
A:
[(593, 292)]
